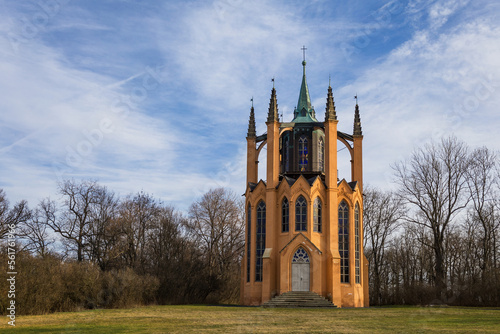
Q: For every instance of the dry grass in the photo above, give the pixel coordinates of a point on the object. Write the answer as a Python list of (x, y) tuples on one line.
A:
[(220, 319)]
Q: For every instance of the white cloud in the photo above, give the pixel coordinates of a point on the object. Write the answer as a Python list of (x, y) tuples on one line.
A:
[(227, 50), (187, 134), (431, 86), (440, 11), (68, 122)]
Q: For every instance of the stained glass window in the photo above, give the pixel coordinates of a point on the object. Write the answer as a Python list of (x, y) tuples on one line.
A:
[(321, 155), (286, 156), (317, 215), (260, 242), (249, 239), (303, 153), (300, 256), (301, 214), (357, 245), (344, 241), (285, 210)]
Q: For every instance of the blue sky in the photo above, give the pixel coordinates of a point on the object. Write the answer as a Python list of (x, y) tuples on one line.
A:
[(155, 96)]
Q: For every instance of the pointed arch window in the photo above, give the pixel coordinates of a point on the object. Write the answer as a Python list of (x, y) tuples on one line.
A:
[(357, 245), (286, 156), (317, 215), (321, 154), (300, 256), (260, 240), (303, 153), (249, 238), (344, 241), (301, 214), (285, 215)]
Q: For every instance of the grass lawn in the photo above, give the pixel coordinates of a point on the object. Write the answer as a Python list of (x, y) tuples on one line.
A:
[(221, 319)]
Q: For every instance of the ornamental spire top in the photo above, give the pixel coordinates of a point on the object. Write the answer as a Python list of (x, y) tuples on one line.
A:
[(304, 98), (330, 114), (304, 111), (357, 120), (251, 123), (272, 116)]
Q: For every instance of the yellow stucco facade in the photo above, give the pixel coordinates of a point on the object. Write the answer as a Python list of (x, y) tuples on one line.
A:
[(295, 239)]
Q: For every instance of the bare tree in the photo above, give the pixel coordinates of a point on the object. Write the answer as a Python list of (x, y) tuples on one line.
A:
[(137, 215), (166, 251), (8, 217), (75, 222), (433, 183), (381, 214), (215, 224), (105, 231), (4, 208), (163, 241), (481, 182), (483, 213), (35, 230)]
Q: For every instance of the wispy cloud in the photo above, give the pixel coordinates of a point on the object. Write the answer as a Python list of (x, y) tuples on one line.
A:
[(155, 97), (431, 86)]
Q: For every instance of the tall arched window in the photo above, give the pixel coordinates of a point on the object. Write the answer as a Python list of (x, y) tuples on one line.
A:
[(286, 156), (249, 238), (303, 153), (317, 215), (301, 214), (357, 245), (260, 241), (344, 241), (321, 154), (285, 215)]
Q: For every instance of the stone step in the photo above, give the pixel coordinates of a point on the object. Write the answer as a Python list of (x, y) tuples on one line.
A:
[(298, 299)]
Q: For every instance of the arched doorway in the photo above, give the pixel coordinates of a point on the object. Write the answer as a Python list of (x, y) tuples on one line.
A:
[(300, 270)]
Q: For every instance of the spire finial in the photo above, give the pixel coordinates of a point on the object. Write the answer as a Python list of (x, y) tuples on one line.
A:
[(304, 52), (357, 120), (251, 123), (273, 81), (329, 80), (356, 98), (304, 109), (272, 116), (330, 114)]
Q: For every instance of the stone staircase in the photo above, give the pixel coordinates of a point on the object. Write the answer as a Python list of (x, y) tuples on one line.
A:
[(298, 299)]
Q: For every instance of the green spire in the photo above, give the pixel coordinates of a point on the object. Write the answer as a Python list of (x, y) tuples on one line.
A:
[(304, 99), (304, 111)]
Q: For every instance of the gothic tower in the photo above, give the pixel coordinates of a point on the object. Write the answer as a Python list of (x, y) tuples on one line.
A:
[(304, 228)]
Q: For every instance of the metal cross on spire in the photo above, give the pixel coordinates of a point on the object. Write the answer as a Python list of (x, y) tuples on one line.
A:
[(304, 52)]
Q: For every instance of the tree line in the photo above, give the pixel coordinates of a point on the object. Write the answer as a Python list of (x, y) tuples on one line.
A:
[(92, 249), (436, 238)]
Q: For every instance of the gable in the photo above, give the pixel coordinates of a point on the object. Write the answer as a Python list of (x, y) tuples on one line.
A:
[(299, 238)]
